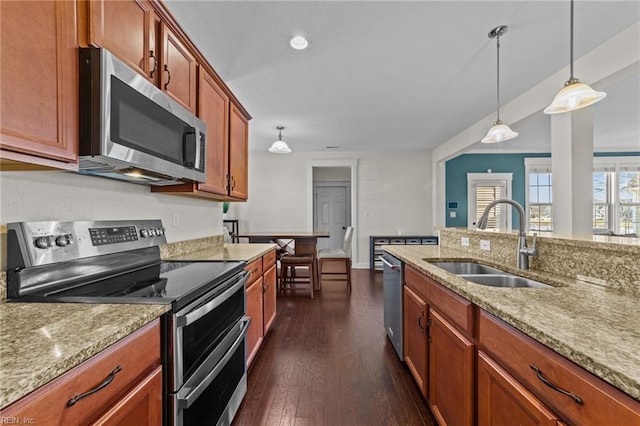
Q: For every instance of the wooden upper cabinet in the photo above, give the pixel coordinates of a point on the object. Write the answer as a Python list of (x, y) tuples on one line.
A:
[(178, 69), (238, 154), (127, 29), (213, 109), (39, 80)]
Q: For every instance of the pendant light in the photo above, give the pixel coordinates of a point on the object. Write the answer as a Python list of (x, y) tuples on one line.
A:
[(500, 132), (574, 95), (280, 146)]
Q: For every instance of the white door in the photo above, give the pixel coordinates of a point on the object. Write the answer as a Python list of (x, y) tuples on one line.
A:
[(482, 189), (331, 214)]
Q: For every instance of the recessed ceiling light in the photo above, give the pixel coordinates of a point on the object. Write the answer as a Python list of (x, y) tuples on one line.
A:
[(299, 43)]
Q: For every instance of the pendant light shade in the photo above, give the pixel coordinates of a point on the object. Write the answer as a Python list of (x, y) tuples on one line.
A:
[(574, 95), (280, 146), (500, 132)]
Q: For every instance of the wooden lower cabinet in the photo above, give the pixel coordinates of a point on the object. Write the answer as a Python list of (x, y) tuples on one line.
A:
[(451, 373), (141, 406), (260, 301), (415, 338), (474, 368), (254, 311), (133, 394), (269, 298), (502, 400)]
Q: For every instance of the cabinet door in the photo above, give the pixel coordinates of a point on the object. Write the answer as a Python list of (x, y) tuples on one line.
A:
[(127, 29), (451, 373), (178, 69), (213, 109), (269, 290), (502, 400), (140, 406), (238, 153), (254, 310), (39, 80), (415, 337)]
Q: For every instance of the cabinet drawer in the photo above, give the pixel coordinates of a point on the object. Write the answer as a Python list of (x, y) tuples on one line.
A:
[(517, 353), (254, 269), (397, 241), (135, 356), (454, 307), (416, 280), (268, 260), (414, 241), (381, 241)]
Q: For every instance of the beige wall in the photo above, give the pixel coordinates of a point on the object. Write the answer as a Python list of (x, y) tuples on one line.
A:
[(393, 194), (57, 195)]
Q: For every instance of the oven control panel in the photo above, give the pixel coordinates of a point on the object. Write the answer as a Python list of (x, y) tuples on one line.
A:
[(49, 242)]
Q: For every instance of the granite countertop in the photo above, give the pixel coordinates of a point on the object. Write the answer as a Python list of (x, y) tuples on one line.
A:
[(246, 252), (595, 327), (41, 341)]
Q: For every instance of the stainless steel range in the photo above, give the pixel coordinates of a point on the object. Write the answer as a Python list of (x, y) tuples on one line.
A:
[(119, 262)]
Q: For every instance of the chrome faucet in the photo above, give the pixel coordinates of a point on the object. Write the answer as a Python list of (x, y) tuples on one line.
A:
[(523, 251)]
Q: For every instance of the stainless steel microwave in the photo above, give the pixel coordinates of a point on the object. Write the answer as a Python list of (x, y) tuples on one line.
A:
[(131, 130)]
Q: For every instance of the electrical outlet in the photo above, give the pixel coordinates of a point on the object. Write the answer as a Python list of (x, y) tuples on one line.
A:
[(175, 219), (485, 245), (464, 241)]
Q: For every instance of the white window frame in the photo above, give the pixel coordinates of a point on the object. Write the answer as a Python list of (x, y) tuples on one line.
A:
[(600, 164), (534, 165), (496, 179)]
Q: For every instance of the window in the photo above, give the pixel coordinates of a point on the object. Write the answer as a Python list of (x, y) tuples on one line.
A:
[(616, 195), (482, 189), (540, 202), (629, 196)]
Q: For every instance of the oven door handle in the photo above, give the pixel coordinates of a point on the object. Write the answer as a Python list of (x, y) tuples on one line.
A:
[(186, 401), (196, 314)]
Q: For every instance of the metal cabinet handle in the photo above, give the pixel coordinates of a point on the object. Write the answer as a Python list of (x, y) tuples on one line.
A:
[(546, 381), (155, 63), (166, 85), (101, 386), (390, 265)]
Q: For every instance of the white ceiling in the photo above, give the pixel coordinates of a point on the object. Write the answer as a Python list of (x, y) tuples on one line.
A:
[(401, 74)]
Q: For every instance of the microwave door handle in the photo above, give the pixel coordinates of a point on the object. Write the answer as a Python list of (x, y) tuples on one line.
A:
[(191, 317), (186, 401), (189, 147)]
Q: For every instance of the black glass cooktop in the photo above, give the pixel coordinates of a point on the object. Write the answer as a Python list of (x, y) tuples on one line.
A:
[(176, 283)]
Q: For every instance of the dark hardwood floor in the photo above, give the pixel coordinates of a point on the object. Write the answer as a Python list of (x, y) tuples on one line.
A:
[(327, 361)]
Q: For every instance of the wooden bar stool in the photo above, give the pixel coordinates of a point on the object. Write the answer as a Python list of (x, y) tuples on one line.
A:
[(288, 265)]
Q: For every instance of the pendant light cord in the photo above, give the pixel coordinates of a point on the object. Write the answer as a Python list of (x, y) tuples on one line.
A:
[(498, 76), (571, 42)]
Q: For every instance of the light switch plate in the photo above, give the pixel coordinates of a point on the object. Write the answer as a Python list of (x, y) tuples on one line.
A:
[(485, 245), (464, 241)]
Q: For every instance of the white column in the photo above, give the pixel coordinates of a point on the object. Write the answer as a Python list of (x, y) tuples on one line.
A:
[(572, 172)]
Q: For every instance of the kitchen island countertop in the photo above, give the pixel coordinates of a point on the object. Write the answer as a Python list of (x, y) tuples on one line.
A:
[(595, 327)]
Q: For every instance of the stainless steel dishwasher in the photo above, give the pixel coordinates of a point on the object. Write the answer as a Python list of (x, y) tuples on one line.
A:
[(392, 282)]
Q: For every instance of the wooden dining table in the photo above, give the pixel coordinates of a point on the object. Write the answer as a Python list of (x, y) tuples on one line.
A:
[(305, 242)]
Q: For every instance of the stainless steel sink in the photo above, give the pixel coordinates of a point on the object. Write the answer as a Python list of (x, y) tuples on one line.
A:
[(504, 280), (486, 275), (466, 268)]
